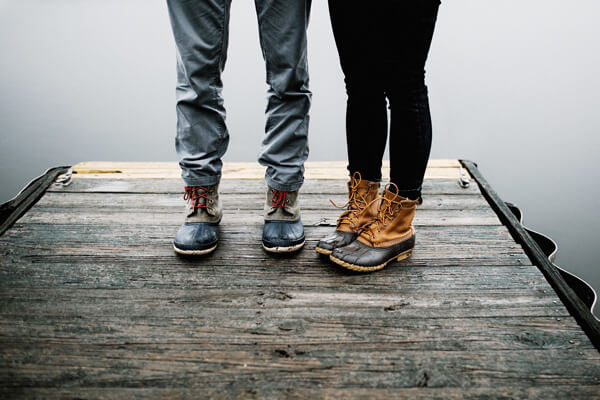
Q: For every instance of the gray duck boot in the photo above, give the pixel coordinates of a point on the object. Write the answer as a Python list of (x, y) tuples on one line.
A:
[(283, 231), (199, 233)]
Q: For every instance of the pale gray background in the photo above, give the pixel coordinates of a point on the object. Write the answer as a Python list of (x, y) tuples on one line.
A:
[(514, 86)]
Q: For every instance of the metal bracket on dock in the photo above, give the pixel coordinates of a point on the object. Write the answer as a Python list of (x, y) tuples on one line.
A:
[(323, 222), (65, 179), (464, 180)]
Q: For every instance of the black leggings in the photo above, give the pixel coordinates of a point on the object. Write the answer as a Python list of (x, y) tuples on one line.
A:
[(383, 47)]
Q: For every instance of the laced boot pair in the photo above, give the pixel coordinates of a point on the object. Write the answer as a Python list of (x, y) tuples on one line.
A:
[(361, 208), (389, 236), (199, 234), (373, 231)]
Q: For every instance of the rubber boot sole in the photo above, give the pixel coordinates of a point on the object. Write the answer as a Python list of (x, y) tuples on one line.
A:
[(288, 249), (194, 252), (323, 251), (362, 268)]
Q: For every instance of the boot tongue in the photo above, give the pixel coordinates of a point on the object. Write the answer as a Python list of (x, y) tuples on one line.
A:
[(362, 193), (363, 188)]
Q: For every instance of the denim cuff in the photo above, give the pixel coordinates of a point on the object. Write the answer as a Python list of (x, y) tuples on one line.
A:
[(209, 180), (283, 187)]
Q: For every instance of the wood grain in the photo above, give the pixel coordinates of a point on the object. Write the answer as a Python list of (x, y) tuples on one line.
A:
[(325, 170), (441, 186)]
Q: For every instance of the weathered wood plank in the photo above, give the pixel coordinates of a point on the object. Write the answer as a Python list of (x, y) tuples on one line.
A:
[(221, 302), (442, 186), (49, 236), (244, 201), (436, 169), (292, 265), (341, 368), (134, 233), (107, 215), (246, 173), (120, 275), (106, 334), (236, 165), (231, 253), (480, 245), (256, 390)]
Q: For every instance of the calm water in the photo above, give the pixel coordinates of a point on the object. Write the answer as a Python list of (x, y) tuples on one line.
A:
[(514, 87)]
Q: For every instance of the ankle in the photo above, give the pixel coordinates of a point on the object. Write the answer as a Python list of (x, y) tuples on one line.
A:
[(410, 194)]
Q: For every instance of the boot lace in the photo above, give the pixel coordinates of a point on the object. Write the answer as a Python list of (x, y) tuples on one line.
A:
[(385, 214), (278, 200), (194, 193), (356, 204)]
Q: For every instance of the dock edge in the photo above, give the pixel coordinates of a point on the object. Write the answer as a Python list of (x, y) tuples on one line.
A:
[(576, 307), (14, 209)]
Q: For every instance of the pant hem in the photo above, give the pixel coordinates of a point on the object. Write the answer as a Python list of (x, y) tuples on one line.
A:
[(374, 177), (202, 181), (411, 194), (284, 187)]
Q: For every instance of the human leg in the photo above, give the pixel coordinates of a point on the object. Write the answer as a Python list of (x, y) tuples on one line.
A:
[(357, 34), (282, 28), (200, 29), (409, 30)]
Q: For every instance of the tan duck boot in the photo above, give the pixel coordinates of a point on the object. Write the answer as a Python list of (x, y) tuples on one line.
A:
[(361, 209), (390, 236)]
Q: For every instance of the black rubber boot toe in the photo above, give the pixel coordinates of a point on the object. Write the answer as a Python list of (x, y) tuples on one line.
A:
[(283, 236), (335, 240), (196, 238)]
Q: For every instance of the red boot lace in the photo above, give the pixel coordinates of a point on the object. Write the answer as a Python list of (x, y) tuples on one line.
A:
[(192, 192), (278, 199)]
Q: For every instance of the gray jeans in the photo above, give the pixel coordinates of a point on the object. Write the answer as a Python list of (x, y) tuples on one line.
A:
[(201, 29)]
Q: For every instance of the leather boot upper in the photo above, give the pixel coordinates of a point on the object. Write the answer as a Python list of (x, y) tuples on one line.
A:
[(393, 222), (361, 206)]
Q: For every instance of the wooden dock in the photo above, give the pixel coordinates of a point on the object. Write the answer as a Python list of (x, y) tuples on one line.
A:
[(94, 303)]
